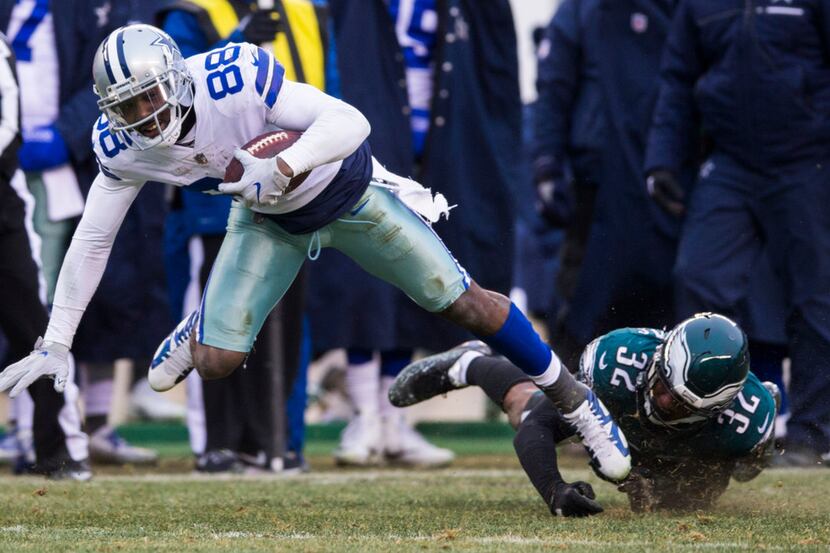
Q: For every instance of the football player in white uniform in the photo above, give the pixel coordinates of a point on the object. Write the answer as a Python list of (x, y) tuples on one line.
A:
[(180, 122)]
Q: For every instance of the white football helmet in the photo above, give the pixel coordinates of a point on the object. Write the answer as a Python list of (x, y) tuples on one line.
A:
[(144, 87)]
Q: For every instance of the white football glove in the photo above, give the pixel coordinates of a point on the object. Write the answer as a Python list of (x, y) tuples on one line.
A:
[(261, 183), (47, 359)]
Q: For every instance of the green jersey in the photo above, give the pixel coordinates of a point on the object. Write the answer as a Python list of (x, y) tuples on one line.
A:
[(614, 366)]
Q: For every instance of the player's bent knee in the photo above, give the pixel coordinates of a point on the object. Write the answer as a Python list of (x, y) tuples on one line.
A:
[(213, 363)]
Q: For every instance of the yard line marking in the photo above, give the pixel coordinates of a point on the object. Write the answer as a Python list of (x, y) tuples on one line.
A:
[(262, 535), (324, 478), (506, 539), (520, 540), (329, 477)]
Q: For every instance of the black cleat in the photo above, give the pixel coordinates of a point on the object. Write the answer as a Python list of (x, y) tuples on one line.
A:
[(429, 376), (218, 461), (64, 468)]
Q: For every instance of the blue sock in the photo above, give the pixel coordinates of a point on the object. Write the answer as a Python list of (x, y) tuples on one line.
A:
[(393, 361), (296, 403), (358, 356), (517, 341)]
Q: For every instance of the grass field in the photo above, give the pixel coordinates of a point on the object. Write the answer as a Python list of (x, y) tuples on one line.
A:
[(483, 503)]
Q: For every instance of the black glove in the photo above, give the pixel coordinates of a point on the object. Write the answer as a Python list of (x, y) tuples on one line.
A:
[(663, 187), (554, 201), (260, 26), (574, 500)]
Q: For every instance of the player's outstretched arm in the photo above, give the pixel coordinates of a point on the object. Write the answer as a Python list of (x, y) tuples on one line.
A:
[(82, 268), (535, 444)]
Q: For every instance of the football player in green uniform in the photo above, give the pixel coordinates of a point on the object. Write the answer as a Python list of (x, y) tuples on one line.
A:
[(692, 411)]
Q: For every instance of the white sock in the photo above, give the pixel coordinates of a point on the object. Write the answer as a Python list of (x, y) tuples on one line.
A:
[(551, 374), (363, 386), (386, 408), (195, 418), (458, 371), (22, 411), (98, 397)]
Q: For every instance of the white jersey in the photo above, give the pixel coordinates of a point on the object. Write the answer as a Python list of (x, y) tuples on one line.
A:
[(32, 34), (239, 93)]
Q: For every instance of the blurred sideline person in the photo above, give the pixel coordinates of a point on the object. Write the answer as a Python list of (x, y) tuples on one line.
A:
[(693, 412), (598, 85), (57, 112), (231, 422), (179, 125), (53, 423), (378, 432), (765, 184), (597, 81), (442, 96), (52, 40), (537, 242), (115, 326)]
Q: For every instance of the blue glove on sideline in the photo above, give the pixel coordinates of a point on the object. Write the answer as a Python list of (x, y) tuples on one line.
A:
[(43, 148)]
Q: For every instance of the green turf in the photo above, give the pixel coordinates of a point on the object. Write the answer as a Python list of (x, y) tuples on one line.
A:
[(159, 432), (483, 503), (319, 448), (484, 438)]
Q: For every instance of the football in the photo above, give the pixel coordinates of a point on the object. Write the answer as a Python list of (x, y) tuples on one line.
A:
[(264, 146)]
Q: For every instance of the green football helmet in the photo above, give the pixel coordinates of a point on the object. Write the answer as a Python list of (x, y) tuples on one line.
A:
[(702, 364)]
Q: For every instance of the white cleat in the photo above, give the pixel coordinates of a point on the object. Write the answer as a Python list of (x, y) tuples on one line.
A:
[(360, 442), (602, 438), (106, 446), (404, 445), (146, 404), (173, 360)]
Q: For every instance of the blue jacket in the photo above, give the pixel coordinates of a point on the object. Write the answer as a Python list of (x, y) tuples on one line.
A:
[(598, 87), (570, 114), (80, 26), (475, 139), (472, 155), (756, 72)]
